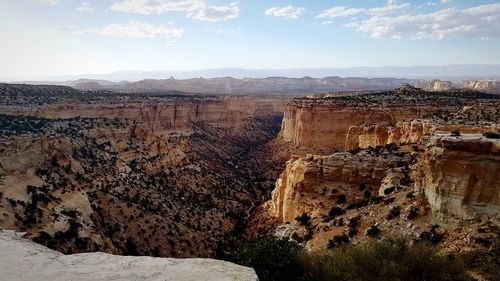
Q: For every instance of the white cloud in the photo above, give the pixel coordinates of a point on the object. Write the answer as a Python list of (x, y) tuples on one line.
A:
[(445, 1), (85, 7), (476, 22), (351, 24), (196, 9), (289, 12), (136, 29), (147, 7), (391, 7), (51, 2), (215, 13), (133, 29)]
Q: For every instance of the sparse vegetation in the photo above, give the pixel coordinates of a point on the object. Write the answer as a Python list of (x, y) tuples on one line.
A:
[(273, 259), (432, 236), (389, 259)]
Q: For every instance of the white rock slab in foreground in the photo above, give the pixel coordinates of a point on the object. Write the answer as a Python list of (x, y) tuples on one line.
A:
[(22, 259)]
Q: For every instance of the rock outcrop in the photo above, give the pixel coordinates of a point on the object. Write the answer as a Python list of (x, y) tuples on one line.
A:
[(313, 184), (162, 116), (164, 113), (22, 259), (434, 85), (481, 85), (460, 176), (326, 125), (383, 134)]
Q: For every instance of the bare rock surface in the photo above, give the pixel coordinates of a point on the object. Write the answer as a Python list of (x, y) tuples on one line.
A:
[(460, 176), (22, 259)]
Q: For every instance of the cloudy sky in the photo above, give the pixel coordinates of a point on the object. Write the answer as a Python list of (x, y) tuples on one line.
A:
[(59, 37)]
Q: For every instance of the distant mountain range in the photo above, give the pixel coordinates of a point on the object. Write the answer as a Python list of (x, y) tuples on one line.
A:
[(446, 72), (273, 85), (236, 81)]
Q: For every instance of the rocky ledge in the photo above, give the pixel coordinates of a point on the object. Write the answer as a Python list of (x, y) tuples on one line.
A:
[(22, 259)]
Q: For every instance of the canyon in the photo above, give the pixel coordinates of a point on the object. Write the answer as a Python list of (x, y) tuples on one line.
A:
[(144, 175), (394, 163), (173, 174)]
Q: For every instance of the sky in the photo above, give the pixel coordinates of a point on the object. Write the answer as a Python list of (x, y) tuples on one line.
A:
[(42, 38)]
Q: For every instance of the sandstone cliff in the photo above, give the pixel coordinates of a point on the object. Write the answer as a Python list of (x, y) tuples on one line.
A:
[(383, 134), (325, 125), (460, 176), (167, 115), (481, 85), (22, 259), (164, 113), (312, 184), (434, 85)]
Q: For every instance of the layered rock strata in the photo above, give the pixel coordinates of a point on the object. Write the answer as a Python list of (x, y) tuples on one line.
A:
[(162, 113), (313, 184), (460, 176), (325, 125)]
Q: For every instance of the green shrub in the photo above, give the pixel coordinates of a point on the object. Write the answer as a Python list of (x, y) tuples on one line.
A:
[(486, 263), (392, 259), (273, 259), (336, 211), (338, 240), (492, 135), (304, 219)]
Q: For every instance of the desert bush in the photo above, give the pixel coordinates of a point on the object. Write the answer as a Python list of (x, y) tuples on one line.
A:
[(492, 135), (342, 199), (432, 236), (273, 259), (373, 231), (304, 219), (486, 263), (394, 259), (336, 211), (338, 240), (391, 259)]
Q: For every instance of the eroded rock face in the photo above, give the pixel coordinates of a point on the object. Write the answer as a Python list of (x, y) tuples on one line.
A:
[(22, 259), (313, 184), (325, 128), (322, 125), (434, 85), (482, 85), (164, 113), (164, 116), (460, 176), (383, 134)]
